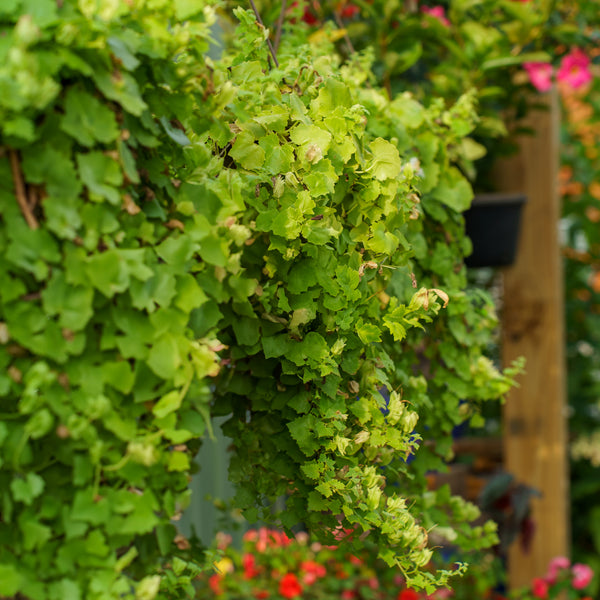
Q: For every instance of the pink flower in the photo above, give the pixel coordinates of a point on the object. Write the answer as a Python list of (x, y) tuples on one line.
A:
[(373, 583), (555, 567), (348, 595), (574, 69), (582, 575), (437, 12), (539, 588), (312, 571), (540, 75)]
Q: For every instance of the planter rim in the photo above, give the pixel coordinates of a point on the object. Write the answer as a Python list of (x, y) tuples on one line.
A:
[(499, 198)]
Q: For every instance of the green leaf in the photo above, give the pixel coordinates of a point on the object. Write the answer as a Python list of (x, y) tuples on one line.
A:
[(72, 303), (248, 154), (178, 461), (65, 589), (122, 51), (368, 332), (108, 272), (214, 251), (189, 294), (102, 175), (164, 358), (10, 580), (26, 489), (39, 424), (184, 9), (247, 330), (454, 190), (408, 111), (167, 404), (176, 134), (311, 138), (385, 163), (278, 158), (176, 250), (119, 375), (34, 533), (122, 88), (88, 120)]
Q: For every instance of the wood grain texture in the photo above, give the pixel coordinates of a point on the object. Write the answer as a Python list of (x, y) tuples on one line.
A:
[(535, 432)]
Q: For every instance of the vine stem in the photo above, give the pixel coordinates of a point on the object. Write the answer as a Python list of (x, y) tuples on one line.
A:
[(340, 24), (271, 49), (280, 21), (20, 190)]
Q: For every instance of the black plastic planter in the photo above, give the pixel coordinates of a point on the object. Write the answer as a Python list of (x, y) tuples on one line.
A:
[(493, 223)]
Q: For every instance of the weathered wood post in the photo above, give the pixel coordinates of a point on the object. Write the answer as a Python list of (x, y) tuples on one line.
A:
[(535, 431)]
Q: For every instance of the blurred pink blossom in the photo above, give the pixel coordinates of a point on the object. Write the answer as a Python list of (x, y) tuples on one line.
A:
[(437, 12), (582, 575), (555, 567), (540, 75), (574, 69)]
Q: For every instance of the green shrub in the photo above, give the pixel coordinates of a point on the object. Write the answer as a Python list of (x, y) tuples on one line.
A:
[(167, 219)]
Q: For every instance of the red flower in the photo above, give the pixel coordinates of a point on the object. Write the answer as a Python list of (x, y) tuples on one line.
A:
[(289, 586), (348, 595), (249, 564), (408, 594), (261, 594), (539, 588), (349, 11), (214, 582), (309, 17)]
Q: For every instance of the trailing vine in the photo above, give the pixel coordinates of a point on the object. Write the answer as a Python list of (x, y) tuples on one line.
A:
[(185, 237)]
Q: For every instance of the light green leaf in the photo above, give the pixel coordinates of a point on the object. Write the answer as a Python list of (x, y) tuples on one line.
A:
[(164, 358), (368, 332), (385, 163), (167, 404), (250, 155), (10, 580), (178, 461), (454, 190)]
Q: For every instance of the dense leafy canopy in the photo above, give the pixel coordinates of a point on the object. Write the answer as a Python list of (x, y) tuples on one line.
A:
[(185, 237)]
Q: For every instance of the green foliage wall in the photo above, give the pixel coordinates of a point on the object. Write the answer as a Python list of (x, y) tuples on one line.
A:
[(103, 383), (182, 237)]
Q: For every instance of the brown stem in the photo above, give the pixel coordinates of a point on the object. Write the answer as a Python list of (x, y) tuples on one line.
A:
[(271, 49), (32, 197), (20, 190), (280, 22), (340, 24)]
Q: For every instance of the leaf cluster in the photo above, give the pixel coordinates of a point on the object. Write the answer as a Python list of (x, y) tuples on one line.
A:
[(185, 237)]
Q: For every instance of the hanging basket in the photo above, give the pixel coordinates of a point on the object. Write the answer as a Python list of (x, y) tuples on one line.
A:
[(492, 224)]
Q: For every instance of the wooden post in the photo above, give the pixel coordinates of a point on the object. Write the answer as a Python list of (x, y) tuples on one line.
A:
[(535, 432)]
